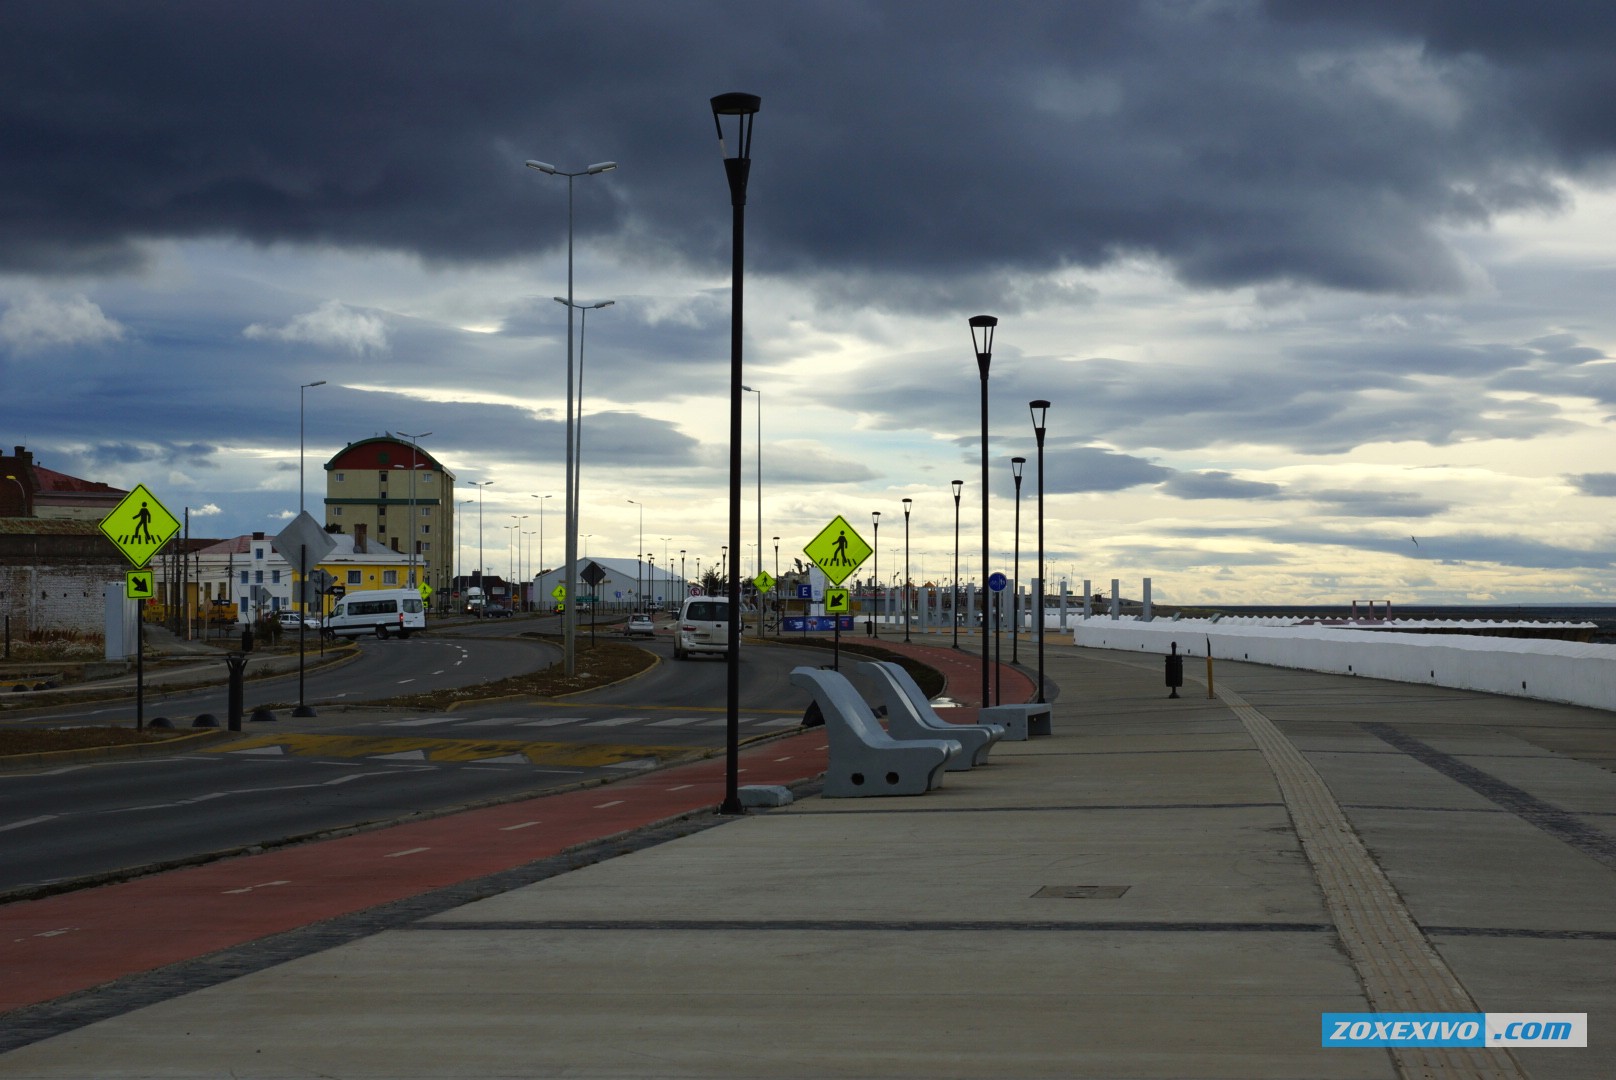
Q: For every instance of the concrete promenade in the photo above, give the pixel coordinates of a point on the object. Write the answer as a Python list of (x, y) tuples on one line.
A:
[(1164, 888)]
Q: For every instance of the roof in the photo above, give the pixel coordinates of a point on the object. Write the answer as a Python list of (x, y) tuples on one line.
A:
[(51, 482), (342, 552), (381, 452)]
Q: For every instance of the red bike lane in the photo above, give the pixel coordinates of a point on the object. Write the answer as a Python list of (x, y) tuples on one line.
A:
[(70, 942)]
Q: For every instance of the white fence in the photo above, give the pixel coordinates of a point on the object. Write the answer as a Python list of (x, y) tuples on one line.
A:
[(1545, 670)]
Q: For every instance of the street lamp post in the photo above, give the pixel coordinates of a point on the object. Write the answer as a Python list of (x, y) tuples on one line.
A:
[(639, 580), (1040, 410), (415, 528), (875, 570), (460, 545), (667, 568), (578, 425), (737, 170), (1016, 465), (541, 499), (780, 610), (953, 600), (759, 394), (517, 575), (300, 389), (481, 566), (569, 617), (908, 505), (982, 328)]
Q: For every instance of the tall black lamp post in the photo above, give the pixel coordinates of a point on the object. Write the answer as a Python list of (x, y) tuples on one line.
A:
[(875, 597), (953, 600), (1039, 410), (1016, 465), (737, 169), (982, 327), (908, 504)]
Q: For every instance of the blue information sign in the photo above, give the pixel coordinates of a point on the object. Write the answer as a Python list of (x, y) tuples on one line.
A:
[(997, 581)]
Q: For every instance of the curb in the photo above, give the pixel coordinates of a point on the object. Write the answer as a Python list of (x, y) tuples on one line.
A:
[(51, 758)]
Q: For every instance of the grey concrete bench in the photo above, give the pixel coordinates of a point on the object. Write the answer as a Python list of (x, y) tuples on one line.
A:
[(1020, 721), (864, 759), (910, 716)]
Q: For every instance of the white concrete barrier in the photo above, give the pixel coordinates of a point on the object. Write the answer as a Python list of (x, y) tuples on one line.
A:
[(1545, 670)]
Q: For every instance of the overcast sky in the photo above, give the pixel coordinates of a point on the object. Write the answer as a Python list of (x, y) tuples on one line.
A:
[(1321, 293)]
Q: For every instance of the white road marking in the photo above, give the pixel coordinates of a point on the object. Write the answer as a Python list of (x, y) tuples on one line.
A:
[(277, 750), (779, 721), (614, 721), (492, 721), (554, 721), (419, 721), (402, 755), (406, 851), (29, 821), (677, 721), (250, 888), (401, 682), (681, 787), (504, 759), (614, 802), (523, 825)]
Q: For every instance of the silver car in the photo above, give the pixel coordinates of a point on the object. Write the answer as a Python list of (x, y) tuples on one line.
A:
[(640, 623)]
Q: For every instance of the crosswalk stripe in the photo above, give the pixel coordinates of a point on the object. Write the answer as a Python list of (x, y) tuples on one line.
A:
[(554, 721), (677, 721), (492, 721), (779, 721), (614, 721), (418, 721)]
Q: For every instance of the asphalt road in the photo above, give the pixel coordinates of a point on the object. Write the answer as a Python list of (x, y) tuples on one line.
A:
[(351, 766)]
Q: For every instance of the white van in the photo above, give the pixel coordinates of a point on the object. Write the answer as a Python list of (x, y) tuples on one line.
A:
[(703, 627), (377, 611)]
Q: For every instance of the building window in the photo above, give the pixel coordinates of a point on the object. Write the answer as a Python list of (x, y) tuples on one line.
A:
[(339, 477), (336, 511), (353, 577), (425, 529), (244, 577), (259, 576), (242, 607), (426, 511), (258, 554), (426, 547), (389, 577), (381, 477), (274, 577)]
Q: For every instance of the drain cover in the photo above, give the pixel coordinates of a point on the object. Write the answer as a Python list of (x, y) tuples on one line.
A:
[(1080, 892)]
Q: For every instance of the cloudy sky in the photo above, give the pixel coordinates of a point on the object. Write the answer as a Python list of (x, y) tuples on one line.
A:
[(1321, 293)]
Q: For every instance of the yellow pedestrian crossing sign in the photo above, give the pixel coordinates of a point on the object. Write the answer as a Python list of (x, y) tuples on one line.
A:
[(559, 593), (836, 602), (137, 584), (838, 550), (764, 581), (139, 525)]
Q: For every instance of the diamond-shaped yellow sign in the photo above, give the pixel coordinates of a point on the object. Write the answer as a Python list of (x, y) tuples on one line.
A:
[(838, 550), (764, 581), (139, 525)]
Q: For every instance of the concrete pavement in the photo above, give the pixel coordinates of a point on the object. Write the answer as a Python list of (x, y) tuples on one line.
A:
[(1165, 888)]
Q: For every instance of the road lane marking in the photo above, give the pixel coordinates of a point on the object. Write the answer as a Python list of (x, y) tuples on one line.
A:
[(492, 721), (677, 721), (401, 682), (681, 787), (419, 721), (503, 759), (406, 851), (614, 721), (614, 802), (554, 721), (25, 822), (402, 755), (260, 750), (250, 888), (780, 721), (523, 825)]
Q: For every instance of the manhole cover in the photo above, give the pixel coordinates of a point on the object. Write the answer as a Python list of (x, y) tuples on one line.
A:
[(1080, 892)]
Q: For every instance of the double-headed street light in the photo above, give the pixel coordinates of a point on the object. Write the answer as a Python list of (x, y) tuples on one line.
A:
[(300, 389), (578, 426), (569, 615), (908, 504), (953, 600), (737, 170), (639, 578), (541, 499), (982, 327), (1040, 410), (481, 566), (1016, 465)]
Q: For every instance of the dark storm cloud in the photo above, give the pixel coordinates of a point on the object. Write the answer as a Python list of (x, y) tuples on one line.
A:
[(1503, 550), (1217, 485), (1242, 144), (1089, 468), (1378, 504), (1600, 485)]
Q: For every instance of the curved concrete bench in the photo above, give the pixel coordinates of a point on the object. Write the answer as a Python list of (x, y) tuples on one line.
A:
[(864, 759), (1020, 721), (910, 716)]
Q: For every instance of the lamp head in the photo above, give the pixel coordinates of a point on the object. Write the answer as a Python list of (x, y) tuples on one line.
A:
[(542, 166), (982, 327), (1016, 465), (601, 166), (1040, 410), (958, 484)]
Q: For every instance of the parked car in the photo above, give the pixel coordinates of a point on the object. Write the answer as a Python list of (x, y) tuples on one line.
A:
[(495, 611), (639, 623), (291, 620)]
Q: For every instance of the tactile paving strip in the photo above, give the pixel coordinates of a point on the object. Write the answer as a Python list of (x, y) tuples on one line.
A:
[(1399, 968)]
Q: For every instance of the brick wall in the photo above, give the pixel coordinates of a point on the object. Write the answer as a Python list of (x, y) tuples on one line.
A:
[(54, 580)]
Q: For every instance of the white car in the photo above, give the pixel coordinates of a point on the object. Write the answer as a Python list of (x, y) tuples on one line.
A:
[(291, 620), (639, 623)]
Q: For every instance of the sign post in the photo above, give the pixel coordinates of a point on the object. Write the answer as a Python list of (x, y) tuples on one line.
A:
[(138, 526), (312, 543), (837, 604), (996, 582)]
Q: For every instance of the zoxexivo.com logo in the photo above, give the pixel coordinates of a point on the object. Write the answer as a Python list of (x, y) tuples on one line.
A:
[(1455, 1029)]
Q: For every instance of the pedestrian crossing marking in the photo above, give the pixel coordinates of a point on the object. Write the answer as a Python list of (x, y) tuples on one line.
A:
[(414, 748)]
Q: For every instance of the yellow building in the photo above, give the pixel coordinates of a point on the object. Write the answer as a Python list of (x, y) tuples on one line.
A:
[(401, 498)]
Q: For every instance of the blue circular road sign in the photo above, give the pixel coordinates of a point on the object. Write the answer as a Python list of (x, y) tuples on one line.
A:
[(997, 581)]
